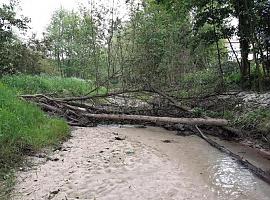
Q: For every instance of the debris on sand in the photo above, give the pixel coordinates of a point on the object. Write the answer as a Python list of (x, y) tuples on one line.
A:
[(120, 138)]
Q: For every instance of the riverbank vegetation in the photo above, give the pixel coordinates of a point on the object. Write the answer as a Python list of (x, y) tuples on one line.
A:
[(25, 129), (54, 85)]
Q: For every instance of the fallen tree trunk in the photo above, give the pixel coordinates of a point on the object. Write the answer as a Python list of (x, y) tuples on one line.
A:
[(63, 106), (50, 108), (233, 131), (190, 121)]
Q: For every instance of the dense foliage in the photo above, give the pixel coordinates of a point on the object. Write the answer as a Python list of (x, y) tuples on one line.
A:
[(12, 51), (74, 43), (252, 31), (158, 48), (165, 38)]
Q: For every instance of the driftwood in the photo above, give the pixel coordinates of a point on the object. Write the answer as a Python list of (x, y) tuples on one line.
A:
[(232, 131), (189, 121), (63, 107), (255, 170)]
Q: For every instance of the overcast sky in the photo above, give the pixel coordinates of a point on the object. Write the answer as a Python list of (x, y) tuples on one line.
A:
[(40, 11)]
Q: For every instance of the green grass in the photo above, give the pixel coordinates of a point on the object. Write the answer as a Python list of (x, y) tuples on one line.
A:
[(27, 84), (24, 129)]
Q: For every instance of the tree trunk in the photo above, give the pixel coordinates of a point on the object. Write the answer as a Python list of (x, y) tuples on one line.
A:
[(158, 120), (242, 13), (245, 64), (254, 169)]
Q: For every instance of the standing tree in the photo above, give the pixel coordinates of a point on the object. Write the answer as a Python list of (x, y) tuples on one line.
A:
[(74, 43), (253, 26), (8, 40)]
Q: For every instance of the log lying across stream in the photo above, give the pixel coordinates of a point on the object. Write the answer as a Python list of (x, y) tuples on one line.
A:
[(158, 120), (91, 110), (78, 113)]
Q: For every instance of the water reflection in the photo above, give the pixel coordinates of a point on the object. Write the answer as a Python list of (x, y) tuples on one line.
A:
[(229, 177)]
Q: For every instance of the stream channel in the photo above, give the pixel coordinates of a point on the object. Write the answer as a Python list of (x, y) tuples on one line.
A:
[(129, 163)]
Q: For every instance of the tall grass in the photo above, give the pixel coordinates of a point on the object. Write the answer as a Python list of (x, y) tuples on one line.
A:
[(27, 84), (24, 128)]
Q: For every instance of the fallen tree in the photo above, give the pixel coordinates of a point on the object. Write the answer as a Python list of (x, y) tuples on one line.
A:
[(76, 112), (90, 110), (159, 120)]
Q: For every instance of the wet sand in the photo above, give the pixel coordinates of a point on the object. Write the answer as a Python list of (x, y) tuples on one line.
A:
[(112, 163)]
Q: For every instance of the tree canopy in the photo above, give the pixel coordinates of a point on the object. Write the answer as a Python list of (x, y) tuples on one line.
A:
[(167, 38)]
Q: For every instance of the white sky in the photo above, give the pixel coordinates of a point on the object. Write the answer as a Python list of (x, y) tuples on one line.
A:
[(40, 11)]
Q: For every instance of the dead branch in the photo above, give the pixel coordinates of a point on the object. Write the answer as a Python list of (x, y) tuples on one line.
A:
[(83, 98), (172, 100), (28, 96), (208, 96)]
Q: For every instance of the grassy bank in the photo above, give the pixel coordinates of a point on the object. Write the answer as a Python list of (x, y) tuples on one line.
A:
[(26, 84), (24, 129)]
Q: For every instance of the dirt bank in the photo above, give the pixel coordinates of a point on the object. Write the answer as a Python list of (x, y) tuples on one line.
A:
[(135, 163)]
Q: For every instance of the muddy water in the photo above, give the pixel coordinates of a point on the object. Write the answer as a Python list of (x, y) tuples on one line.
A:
[(95, 164)]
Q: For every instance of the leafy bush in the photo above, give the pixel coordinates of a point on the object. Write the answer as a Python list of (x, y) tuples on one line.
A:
[(24, 128), (27, 84)]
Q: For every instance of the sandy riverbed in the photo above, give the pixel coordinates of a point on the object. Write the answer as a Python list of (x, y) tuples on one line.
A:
[(95, 164)]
